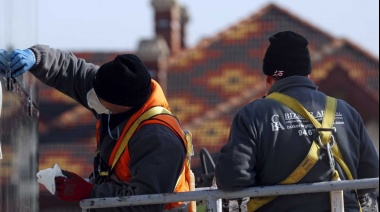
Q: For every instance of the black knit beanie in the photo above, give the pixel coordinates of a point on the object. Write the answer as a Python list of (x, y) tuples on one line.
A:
[(123, 81), (287, 55)]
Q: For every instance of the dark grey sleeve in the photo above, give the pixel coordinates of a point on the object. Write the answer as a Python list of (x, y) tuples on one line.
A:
[(157, 156), (368, 161), (235, 165), (64, 71), (369, 157)]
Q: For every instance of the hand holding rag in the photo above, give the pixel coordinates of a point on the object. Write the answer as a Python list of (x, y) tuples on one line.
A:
[(72, 187), (46, 177)]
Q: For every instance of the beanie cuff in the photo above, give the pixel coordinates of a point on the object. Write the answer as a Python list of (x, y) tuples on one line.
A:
[(286, 69)]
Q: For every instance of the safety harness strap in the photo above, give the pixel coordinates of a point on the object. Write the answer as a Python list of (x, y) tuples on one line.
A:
[(329, 116), (158, 110), (313, 154), (154, 111)]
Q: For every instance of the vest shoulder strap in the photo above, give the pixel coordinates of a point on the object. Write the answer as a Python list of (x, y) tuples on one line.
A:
[(145, 116)]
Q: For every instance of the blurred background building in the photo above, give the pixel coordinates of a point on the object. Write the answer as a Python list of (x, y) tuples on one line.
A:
[(206, 84)]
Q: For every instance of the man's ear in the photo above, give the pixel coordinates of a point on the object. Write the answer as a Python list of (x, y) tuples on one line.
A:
[(269, 80)]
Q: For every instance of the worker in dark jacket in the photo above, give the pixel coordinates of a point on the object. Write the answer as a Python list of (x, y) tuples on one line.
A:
[(268, 140), (147, 158)]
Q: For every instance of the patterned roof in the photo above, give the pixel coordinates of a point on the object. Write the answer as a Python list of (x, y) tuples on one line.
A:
[(208, 83)]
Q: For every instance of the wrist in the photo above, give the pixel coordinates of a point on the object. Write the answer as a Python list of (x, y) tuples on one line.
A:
[(36, 55), (87, 189)]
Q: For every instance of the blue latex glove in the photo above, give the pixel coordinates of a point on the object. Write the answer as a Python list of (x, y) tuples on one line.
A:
[(21, 61), (4, 61)]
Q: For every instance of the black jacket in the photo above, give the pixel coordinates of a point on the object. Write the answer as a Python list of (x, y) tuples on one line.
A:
[(268, 141)]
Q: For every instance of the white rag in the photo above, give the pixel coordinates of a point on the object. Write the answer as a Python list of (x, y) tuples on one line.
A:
[(46, 177)]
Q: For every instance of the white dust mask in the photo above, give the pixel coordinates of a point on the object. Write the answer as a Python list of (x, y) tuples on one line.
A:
[(94, 103)]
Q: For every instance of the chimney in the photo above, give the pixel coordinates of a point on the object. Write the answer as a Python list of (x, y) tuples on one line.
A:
[(154, 53), (183, 21), (167, 21)]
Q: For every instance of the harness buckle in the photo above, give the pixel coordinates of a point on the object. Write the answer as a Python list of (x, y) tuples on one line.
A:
[(332, 129), (331, 156), (329, 144)]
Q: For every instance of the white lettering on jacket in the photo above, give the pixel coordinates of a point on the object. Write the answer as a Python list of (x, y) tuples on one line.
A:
[(276, 125)]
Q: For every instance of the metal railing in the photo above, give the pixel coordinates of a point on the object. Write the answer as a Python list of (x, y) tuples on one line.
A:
[(213, 196)]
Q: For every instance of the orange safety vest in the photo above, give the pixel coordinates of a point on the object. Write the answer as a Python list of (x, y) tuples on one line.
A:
[(121, 166)]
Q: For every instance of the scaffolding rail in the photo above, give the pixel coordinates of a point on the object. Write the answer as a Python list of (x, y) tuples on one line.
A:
[(212, 196)]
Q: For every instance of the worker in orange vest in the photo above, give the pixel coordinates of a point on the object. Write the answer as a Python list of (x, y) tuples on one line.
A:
[(134, 156)]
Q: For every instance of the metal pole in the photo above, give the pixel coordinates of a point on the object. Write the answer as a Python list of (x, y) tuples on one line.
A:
[(211, 205), (219, 194)]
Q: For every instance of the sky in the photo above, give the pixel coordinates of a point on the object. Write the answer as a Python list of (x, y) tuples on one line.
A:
[(117, 25)]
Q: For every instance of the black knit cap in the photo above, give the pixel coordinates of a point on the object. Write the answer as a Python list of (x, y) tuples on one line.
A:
[(287, 55), (123, 81)]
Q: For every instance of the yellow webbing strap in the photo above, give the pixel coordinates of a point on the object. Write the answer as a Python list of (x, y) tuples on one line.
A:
[(157, 110), (328, 116), (145, 116), (313, 154), (298, 108), (304, 167)]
